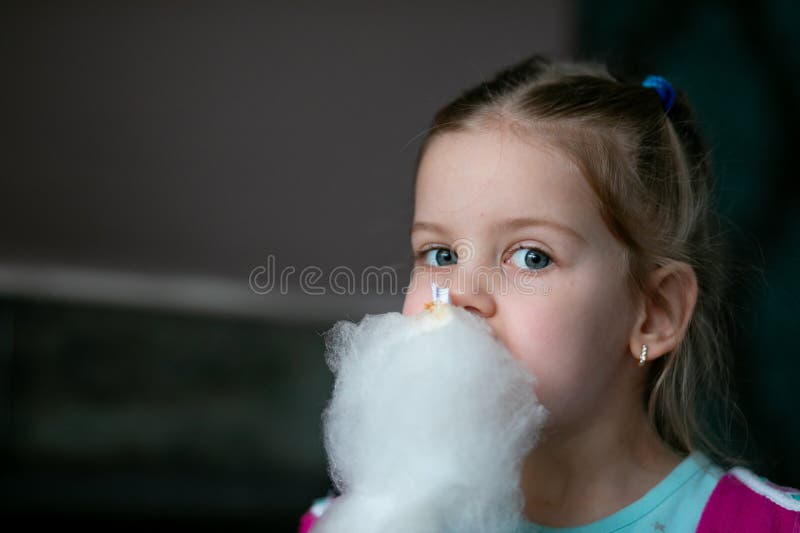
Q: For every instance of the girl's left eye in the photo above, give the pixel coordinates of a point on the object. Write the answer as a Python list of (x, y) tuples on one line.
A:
[(530, 258)]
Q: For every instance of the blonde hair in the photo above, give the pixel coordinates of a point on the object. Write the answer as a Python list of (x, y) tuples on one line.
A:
[(652, 176)]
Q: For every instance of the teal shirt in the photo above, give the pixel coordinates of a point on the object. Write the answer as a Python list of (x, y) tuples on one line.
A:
[(674, 505)]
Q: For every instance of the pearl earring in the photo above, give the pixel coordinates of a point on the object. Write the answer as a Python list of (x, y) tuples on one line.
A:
[(643, 356)]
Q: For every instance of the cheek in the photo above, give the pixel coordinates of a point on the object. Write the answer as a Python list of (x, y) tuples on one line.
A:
[(419, 293), (570, 340), (412, 304), (548, 344)]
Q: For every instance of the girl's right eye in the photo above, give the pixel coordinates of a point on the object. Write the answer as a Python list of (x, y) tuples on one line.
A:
[(439, 257)]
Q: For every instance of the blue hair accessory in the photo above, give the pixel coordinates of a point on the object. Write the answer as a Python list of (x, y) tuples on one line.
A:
[(663, 88)]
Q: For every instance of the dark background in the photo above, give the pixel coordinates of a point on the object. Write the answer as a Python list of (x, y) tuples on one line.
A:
[(152, 154)]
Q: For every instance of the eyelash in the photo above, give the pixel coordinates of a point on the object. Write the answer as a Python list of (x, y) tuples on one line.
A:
[(421, 255)]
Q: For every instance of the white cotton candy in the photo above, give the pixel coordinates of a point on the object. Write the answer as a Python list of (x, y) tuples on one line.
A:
[(428, 425)]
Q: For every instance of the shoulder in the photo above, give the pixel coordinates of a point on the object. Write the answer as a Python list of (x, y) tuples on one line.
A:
[(313, 513), (744, 501)]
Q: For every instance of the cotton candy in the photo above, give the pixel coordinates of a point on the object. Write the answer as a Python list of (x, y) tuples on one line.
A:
[(429, 421)]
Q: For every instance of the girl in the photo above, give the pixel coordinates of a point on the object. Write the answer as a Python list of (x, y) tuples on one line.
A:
[(572, 210)]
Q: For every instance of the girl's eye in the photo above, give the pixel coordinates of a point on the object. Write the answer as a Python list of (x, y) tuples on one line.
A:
[(530, 258), (439, 257)]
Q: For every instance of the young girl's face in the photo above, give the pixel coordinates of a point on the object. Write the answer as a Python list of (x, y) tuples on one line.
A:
[(514, 230)]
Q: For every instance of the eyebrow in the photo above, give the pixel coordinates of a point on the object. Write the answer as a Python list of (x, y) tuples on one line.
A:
[(510, 224)]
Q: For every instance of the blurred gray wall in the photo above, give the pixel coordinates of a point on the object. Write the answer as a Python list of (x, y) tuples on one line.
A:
[(156, 153)]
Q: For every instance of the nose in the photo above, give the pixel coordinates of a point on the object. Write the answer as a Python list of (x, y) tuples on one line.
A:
[(480, 305), (475, 297)]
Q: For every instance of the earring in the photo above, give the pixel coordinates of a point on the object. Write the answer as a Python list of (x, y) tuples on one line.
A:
[(643, 356)]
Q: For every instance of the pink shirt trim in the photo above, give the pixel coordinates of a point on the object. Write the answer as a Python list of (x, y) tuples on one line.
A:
[(741, 501)]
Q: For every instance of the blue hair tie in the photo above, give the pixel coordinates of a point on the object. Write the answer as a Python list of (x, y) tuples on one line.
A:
[(664, 90)]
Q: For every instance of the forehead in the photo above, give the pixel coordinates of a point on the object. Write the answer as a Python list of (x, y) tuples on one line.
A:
[(496, 174)]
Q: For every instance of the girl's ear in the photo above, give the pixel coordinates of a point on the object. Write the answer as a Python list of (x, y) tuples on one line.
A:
[(665, 310)]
